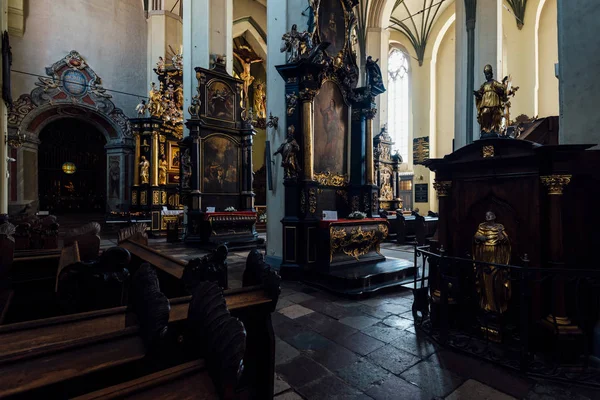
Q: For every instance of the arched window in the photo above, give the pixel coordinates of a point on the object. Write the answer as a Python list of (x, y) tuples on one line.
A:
[(398, 101)]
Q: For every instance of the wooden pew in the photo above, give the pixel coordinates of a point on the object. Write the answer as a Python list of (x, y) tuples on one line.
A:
[(105, 354), (415, 228)]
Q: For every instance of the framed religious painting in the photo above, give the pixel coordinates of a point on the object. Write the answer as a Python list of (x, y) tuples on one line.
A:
[(173, 156), (220, 102), (331, 24), (331, 130), (221, 164)]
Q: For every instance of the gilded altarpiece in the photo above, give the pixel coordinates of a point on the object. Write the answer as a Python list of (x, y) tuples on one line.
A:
[(216, 164), (327, 160), (155, 195)]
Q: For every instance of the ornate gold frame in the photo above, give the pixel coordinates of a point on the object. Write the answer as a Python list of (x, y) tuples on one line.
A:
[(171, 145), (206, 100)]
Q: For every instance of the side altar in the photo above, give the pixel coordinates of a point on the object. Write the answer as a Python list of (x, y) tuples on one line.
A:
[(328, 163), (216, 163)]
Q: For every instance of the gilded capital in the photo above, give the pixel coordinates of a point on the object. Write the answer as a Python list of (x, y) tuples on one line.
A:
[(370, 113), (308, 94), (555, 184), (442, 188)]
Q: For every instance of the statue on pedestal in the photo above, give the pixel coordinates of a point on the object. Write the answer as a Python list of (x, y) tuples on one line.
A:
[(162, 171), (490, 99), (296, 44), (144, 171), (491, 244), (288, 150), (260, 100), (374, 78)]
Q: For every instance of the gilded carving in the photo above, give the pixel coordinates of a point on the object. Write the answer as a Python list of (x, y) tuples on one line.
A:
[(420, 150), (144, 170), (442, 188), (155, 197), (555, 184), (134, 198), (312, 200), (308, 94), (329, 179), (355, 203), (375, 203), (143, 198), (488, 151), (356, 241), (291, 101), (370, 113), (163, 196), (302, 202)]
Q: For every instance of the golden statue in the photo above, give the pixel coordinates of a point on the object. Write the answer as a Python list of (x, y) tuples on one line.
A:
[(246, 61), (162, 171), (155, 104), (144, 171), (491, 244), (490, 99), (260, 99), (288, 150)]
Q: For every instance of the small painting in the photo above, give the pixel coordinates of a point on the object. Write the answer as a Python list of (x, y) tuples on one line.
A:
[(221, 165), (173, 156), (331, 130), (332, 25), (220, 101), (173, 178)]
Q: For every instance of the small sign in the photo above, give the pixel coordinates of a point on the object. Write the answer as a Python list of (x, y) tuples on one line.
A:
[(421, 193), (330, 215), (210, 209)]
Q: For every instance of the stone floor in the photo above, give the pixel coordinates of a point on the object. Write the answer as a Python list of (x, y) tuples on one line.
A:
[(333, 348)]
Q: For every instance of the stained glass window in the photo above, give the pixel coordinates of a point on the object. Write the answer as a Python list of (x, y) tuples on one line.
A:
[(398, 105)]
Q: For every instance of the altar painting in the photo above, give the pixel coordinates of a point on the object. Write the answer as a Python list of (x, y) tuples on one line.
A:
[(173, 156), (221, 165), (332, 25), (220, 101), (331, 130)]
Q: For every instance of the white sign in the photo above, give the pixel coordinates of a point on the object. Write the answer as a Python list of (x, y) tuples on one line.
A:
[(330, 215), (210, 209)]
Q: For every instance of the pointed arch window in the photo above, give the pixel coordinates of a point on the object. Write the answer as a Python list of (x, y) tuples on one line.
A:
[(398, 106)]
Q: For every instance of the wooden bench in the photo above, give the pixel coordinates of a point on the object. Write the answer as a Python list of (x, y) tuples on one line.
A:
[(106, 354), (414, 228)]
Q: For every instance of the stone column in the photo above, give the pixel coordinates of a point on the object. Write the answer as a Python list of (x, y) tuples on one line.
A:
[(196, 44), (478, 42), (3, 127), (221, 30), (378, 45), (579, 59)]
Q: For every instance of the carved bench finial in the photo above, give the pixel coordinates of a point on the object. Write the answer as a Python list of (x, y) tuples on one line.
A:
[(258, 272)]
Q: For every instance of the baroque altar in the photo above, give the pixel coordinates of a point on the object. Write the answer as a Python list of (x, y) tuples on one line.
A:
[(387, 166), (328, 161), (216, 163), (157, 130)]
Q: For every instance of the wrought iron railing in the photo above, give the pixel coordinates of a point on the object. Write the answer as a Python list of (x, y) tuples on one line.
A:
[(536, 320)]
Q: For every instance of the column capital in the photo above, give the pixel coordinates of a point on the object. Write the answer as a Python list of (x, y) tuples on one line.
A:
[(306, 94), (442, 188), (555, 184)]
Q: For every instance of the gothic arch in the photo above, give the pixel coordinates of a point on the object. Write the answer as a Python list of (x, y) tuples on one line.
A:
[(256, 35)]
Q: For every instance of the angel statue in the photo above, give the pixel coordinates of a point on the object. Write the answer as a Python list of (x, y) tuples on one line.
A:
[(296, 44), (288, 150), (141, 108)]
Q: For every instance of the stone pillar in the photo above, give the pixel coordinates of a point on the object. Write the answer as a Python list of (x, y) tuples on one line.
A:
[(196, 45), (3, 127), (579, 59), (378, 45), (221, 30), (165, 28), (478, 42)]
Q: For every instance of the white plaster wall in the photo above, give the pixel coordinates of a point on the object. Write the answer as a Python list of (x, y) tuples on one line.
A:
[(109, 34), (252, 8), (445, 80), (548, 57)]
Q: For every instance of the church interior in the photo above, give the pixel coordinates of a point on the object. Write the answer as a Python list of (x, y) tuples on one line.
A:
[(330, 199)]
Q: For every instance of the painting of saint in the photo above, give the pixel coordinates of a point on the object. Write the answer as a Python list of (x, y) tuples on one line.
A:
[(221, 165), (332, 25), (331, 128), (220, 101), (173, 159)]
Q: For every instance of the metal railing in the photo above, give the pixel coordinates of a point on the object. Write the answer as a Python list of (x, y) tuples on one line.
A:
[(536, 320)]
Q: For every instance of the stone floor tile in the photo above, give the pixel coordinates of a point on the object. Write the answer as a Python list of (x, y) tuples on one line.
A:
[(412, 330), (283, 303), (329, 388), (334, 357), (277, 318), (432, 379), (360, 343), (398, 322), (315, 321), (383, 332), (301, 371), (284, 353), (336, 331), (374, 302), (418, 345), (473, 390), (299, 297), (308, 340), (372, 311), (362, 374), (288, 396), (286, 328), (331, 309), (394, 388), (295, 311), (394, 360), (359, 322), (280, 385), (392, 308), (407, 315)]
